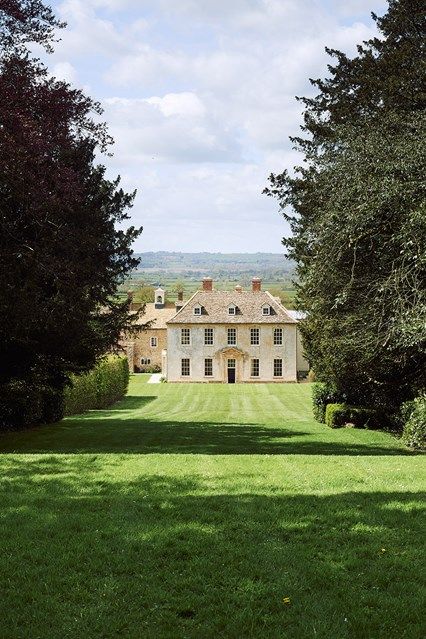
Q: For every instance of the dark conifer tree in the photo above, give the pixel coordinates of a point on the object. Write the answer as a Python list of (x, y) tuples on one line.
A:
[(358, 215)]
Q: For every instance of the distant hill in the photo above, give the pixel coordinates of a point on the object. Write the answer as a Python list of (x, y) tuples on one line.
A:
[(186, 270), (211, 263)]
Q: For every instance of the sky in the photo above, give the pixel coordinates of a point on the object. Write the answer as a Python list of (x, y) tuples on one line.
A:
[(199, 96)]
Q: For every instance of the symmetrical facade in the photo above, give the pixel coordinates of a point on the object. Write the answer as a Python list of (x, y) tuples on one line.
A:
[(232, 336)]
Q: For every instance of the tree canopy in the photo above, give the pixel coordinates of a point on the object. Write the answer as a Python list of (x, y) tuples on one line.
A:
[(63, 249), (358, 215)]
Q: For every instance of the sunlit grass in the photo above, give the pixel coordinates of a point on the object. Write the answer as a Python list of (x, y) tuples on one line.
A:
[(199, 511)]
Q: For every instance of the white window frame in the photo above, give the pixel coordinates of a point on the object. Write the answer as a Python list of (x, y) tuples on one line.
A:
[(234, 332), (278, 342), (185, 365), (207, 342), (208, 367), (145, 361), (232, 309), (254, 331), (255, 367), (278, 362), (153, 342), (197, 310), (266, 310), (185, 336)]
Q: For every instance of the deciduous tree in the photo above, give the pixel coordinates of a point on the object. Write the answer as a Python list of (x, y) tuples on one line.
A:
[(62, 249)]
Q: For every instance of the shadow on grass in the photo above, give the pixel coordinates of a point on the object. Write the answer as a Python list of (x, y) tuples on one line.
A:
[(140, 436), (157, 557), (119, 430)]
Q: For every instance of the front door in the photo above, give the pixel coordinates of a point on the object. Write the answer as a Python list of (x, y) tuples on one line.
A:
[(231, 371)]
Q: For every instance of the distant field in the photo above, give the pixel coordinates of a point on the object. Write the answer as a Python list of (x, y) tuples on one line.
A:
[(170, 270)]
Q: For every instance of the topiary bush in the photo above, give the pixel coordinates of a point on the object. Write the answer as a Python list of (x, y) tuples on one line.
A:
[(338, 415), (414, 417), (323, 394), (99, 388)]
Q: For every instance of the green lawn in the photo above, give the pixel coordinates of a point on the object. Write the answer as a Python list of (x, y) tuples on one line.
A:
[(192, 511)]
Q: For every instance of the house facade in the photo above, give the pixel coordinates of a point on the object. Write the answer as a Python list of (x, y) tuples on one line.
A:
[(144, 349), (232, 336)]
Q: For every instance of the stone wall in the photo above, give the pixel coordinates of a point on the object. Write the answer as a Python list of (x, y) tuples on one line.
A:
[(139, 346)]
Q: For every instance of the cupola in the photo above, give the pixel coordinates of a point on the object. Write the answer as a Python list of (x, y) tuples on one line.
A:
[(160, 297)]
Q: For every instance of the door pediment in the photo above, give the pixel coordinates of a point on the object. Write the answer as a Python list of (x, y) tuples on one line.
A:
[(232, 352)]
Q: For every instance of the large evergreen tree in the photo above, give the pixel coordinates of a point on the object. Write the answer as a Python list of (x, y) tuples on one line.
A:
[(62, 253), (358, 215)]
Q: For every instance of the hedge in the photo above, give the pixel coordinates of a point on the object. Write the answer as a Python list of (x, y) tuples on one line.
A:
[(414, 416), (323, 394), (99, 388), (338, 415)]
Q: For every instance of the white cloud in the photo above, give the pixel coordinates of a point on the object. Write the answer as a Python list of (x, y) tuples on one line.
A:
[(186, 104), (65, 71), (172, 128), (200, 98)]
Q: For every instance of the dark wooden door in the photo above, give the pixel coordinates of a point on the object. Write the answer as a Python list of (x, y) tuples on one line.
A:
[(231, 375)]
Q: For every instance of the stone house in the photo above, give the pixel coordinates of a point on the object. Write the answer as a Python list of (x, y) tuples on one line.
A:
[(145, 348), (233, 336)]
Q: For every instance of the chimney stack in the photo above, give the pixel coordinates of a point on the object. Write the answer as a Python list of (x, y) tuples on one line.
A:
[(207, 284), (256, 284)]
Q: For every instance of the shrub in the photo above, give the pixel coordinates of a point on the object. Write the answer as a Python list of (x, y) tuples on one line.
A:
[(52, 404), (323, 394), (338, 415), (20, 405), (99, 388), (149, 368), (414, 416)]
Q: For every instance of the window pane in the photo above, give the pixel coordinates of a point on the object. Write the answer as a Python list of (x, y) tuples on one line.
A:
[(185, 367), (208, 336), (278, 336), (231, 363), (208, 367), (232, 336), (255, 368), (185, 335), (254, 336), (278, 367)]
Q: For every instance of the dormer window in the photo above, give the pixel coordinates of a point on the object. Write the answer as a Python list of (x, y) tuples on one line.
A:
[(266, 310), (232, 309), (197, 310)]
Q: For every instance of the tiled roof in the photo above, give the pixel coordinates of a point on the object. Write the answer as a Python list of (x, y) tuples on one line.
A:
[(214, 305), (158, 316)]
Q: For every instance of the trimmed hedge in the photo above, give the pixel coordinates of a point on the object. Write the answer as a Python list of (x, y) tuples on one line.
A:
[(99, 388), (338, 415), (414, 416), (322, 394)]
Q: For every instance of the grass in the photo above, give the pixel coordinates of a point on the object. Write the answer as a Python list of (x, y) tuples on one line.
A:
[(192, 511)]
